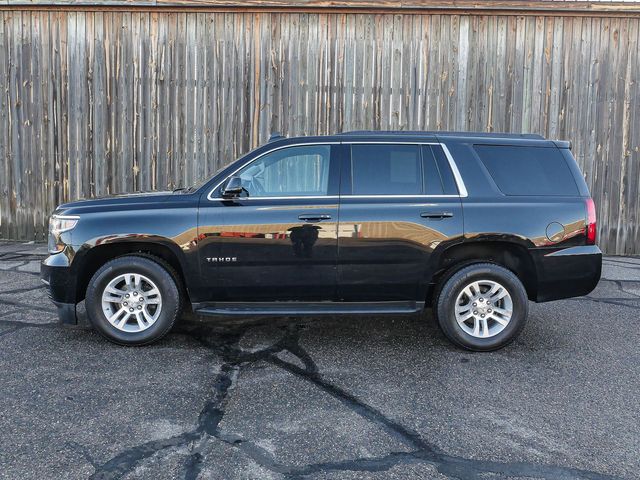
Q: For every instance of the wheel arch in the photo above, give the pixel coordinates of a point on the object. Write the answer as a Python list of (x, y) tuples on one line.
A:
[(94, 257), (510, 255)]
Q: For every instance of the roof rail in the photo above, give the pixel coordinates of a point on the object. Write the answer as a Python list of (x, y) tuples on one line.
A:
[(275, 136), (444, 133)]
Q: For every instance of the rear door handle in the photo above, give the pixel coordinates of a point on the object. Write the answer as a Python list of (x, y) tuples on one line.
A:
[(436, 215), (314, 217)]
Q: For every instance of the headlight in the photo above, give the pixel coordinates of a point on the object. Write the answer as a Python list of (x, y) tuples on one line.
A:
[(59, 224)]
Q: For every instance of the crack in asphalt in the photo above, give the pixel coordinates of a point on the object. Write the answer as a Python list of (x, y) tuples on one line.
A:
[(16, 268), (20, 290), (621, 263), (610, 301), (26, 306), (25, 258), (236, 359), (17, 325), (12, 330), (22, 305), (8, 256), (618, 301), (620, 285), (22, 325)]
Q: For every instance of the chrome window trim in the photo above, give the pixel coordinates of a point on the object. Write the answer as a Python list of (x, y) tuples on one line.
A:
[(387, 142), (383, 195), (462, 189), (334, 197), (296, 197)]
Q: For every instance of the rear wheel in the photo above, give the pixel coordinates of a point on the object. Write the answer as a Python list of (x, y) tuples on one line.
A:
[(133, 300), (482, 307)]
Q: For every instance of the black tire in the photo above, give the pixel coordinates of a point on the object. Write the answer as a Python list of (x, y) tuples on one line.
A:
[(155, 270), (453, 285)]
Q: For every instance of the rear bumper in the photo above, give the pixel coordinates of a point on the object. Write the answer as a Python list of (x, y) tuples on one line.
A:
[(570, 272), (56, 274)]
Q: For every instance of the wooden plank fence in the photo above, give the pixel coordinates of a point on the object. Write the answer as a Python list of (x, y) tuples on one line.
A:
[(97, 102)]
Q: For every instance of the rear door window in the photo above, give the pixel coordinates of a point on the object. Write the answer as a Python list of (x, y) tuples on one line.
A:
[(386, 170), (528, 170)]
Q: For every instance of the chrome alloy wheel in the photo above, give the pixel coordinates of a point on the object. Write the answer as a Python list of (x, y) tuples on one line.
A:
[(483, 308), (131, 302)]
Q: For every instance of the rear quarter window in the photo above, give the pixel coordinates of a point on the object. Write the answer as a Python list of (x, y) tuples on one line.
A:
[(528, 170)]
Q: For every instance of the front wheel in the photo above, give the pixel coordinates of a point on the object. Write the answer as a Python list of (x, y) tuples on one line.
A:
[(133, 300), (482, 307)]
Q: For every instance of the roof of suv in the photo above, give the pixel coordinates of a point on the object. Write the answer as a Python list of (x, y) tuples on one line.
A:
[(521, 139)]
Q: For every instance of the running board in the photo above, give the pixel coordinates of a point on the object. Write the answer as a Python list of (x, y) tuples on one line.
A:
[(306, 308)]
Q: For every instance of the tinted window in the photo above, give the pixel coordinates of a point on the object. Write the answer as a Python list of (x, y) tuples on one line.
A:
[(386, 170), (432, 180), (528, 170), (446, 175), (438, 178), (293, 171)]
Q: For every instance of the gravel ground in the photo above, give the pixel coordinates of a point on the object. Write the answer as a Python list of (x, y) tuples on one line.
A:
[(336, 398)]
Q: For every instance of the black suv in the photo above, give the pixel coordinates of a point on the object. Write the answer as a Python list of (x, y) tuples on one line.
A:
[(473, 225)]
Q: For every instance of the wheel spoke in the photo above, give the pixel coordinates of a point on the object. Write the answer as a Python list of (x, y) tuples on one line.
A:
[(119, 318), (152, 296), (476, 327), (500, 320), (124, 319), (114, 290), (112, 298), (116, 315), (463, 308), (147, 315), (499, 294), (467, 291), (485, 327), (503, 312), (140, 321)]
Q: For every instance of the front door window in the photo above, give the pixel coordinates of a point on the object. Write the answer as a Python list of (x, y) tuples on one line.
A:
[(288, 172)]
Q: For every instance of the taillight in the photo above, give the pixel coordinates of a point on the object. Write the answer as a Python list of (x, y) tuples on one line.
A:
[(591, 222)]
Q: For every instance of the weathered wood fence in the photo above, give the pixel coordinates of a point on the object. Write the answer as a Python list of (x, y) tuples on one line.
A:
[(97, 102)]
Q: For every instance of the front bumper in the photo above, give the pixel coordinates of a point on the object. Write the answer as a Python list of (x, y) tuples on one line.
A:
[(57, 275), (67, 314), (569, 272)]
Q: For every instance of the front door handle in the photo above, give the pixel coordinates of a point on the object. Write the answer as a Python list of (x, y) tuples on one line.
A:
[(436, 215), (314, 217)]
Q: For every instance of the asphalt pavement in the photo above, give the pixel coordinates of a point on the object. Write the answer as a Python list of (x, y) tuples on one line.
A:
[(327, 398)]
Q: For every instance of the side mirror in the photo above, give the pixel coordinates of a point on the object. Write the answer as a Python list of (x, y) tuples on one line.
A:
[(233, 188)]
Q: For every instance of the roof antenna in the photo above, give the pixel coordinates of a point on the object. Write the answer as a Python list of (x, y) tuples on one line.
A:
[(275, 136)]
